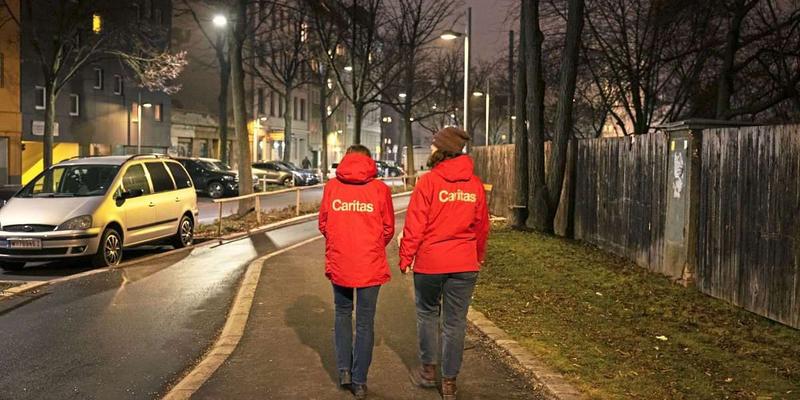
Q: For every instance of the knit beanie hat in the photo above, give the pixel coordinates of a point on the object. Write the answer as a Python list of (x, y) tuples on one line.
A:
[(450, 139)]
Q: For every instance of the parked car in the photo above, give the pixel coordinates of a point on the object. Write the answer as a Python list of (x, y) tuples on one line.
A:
[(216, 178), (388, 170), (94, 207), (332, 170), (287, 174)]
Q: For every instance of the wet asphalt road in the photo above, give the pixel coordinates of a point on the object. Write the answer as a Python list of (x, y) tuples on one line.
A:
[(127, 333)]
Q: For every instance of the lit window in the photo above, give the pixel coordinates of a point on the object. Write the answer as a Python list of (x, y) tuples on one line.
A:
[(303, 32), (97, 23), (330, 83), (40, 97), (134, 112), (98, 78), (157, 112), (117, 84), (74, 105)]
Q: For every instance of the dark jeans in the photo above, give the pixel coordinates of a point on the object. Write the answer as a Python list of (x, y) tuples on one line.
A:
[(354, 357), (448, 295)]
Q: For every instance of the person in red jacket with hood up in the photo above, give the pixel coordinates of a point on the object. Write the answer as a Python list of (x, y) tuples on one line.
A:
[(357, 219), (444, 243)]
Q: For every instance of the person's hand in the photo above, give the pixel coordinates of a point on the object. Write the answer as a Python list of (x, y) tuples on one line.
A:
[(400, 238), (407, 269)]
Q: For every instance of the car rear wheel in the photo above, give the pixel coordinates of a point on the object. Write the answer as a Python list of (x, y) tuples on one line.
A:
[(185, 235), (215, 190), (109, 252), (12, 265)]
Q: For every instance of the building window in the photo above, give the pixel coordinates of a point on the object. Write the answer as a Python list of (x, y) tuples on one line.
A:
[(260, 101), (158, 112), (271, 104), (98, 78), (40, 97), (295, 114), (185, 147), (280, 105), (302, 109), (117, 84), (134, 112), (74, 105), (97, 23)]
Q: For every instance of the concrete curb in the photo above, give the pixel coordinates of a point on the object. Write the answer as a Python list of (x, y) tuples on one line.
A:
[(552, 384), (232, 331)]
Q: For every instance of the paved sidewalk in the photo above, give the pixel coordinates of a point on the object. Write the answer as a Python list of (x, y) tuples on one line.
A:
[(287, 348)]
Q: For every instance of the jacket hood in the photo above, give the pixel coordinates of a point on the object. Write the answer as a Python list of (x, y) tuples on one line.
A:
[(356, 168), (455, 169)]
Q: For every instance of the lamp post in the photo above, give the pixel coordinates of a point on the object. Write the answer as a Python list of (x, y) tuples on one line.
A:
[(451, 35), (139, 106)]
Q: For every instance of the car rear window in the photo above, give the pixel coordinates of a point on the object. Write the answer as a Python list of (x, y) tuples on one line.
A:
[(182, 179), (162, 182)]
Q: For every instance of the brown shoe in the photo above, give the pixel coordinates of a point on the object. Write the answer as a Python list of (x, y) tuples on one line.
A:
[(424, 376), (449, 389)]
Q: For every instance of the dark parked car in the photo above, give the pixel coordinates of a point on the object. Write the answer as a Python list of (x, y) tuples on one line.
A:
[(212, 177), (287, 174), (388, 170)]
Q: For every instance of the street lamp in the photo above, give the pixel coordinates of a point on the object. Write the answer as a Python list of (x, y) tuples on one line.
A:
[(348, 68), (451, 35), (402, 95), (219, 21)]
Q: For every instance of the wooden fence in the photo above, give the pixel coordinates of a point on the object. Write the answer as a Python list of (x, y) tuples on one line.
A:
[(495, 165), (620, 196), (749, 219)]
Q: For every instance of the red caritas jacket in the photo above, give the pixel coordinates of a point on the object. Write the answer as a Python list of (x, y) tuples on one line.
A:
[(357, 219), (447, 221)]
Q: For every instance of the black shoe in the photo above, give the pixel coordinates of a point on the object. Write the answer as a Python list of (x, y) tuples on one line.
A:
[(344, 378), (359, 391)]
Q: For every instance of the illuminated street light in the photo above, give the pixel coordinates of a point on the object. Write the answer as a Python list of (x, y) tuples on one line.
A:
[(402, 95), (477, 94), (450, 35), (513, 117), (219, 21), (348, 68)]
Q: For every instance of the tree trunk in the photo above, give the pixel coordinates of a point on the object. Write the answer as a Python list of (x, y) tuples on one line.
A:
[(520, 214), (239, 110), (408, 136), (222, 102), (727, 73), (566, 95), (288, 117), (539, 216), (359, 115), (49, 125), (564, 224)]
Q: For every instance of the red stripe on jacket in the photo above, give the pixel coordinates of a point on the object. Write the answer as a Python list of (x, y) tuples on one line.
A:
[(447, 221), (356, 217)]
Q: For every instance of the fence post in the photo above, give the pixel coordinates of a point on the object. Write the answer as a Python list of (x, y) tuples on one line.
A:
[(258, 209), (405, 184), (219, 223), (297, 201)]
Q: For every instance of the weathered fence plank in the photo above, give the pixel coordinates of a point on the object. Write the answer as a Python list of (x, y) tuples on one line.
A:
[(749, 216), (620, 196), (495, 165)]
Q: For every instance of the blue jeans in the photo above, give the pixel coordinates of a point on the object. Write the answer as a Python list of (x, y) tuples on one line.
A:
[(349, 356), (448, 296)]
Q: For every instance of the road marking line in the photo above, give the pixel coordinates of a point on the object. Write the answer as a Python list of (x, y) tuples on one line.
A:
[(232, 331)]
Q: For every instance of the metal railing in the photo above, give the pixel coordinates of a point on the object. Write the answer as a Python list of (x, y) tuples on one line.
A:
[(296, 189)]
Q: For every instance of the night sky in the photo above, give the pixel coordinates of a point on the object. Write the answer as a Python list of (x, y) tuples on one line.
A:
[(489, 28)]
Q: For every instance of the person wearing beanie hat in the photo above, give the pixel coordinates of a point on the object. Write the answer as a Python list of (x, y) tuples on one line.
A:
[(450, 139), (444, 244)]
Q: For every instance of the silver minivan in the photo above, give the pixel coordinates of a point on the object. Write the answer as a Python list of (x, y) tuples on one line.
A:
[(93, 207)]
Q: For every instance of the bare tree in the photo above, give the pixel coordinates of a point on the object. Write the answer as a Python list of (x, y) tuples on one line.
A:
[(414, 25), (68, 35), (281, 57), (219, 44), (358, 63), (520, 214)]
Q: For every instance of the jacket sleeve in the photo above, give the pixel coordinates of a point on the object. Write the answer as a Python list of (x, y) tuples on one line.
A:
[(416, 222), (482, 223), (388, 216), (323, 212)]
